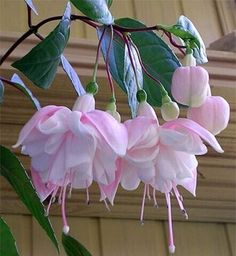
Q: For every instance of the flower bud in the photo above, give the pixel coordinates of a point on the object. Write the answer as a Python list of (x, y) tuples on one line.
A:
[(170, 111), (111, 109), (189, 60), (190, 85), (92, 87), (213, 114)]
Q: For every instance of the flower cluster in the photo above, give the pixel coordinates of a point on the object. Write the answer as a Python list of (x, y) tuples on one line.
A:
[(70, 149)]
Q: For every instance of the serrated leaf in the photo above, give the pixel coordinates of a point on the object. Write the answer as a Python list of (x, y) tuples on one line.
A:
[(73, 247), (12, 169), (129, 78), (156, 55), (19, 84), (96, 10), (7, 242), (72, 76), (31, 5), (1, 91), (198, 53), (40, 64)]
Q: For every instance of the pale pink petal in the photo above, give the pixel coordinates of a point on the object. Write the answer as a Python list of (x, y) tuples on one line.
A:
[(138, 130), (197, 129), (213, 114), (190, 184), (129, 178), (145, 109), (84, 103), (190, 85), (109, 129), (182, 140), (42, 189), (82, 175), (109, 191), (30, 125)]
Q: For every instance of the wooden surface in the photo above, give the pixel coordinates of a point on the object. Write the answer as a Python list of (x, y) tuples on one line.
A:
[(216, 15), (118, 237)]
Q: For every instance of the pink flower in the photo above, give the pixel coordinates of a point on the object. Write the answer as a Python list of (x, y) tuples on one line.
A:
[(190, 85), (72, 148), (213, 114), (163, 156)]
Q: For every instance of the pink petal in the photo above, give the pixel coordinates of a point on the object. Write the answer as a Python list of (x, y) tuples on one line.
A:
[(30, 125), (84, 103), (195, 128), (109, 191), (43, 190), (213, 114), (190, 85), (145, 109), (109, 129)]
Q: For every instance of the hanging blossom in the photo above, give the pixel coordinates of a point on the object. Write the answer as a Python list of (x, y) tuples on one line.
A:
[(190, 86), (163, 157), (71, 148)]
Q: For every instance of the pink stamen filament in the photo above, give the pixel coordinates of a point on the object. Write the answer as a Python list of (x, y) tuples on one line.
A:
[(143, 204), (148, 193), (154, 197), (52, 200), (63, 212), (171, 239), (179, 200)]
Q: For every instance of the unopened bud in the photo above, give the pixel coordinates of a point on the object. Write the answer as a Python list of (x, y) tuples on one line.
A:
[(169, 109)]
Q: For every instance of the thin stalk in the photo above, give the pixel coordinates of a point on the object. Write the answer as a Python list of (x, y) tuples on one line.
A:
[(107, 65), (97, 56)]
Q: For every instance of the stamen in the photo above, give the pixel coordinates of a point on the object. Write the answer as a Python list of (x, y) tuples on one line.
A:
[(52, 200), (70, 191), (60, 196), (148, 192), (87, 194), (154, 197), (66, 228), (171, 239), (180, 201), (143, 203), (106, 204)]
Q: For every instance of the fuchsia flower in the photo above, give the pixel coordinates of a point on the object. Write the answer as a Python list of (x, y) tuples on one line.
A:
[(163, 156), (190, 85), (213, 114), (72, 148)]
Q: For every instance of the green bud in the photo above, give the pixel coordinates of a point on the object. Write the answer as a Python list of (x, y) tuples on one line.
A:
[(92, 87), (141, 95)]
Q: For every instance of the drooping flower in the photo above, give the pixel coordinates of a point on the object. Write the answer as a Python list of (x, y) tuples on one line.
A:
[(213, 114), (190, 85), (163, 157), (70, 149)]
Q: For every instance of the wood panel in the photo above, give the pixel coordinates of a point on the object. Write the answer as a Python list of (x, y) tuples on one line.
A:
[(21, 229), (231, 235), (86, 230), (128, 237), (200, 239)]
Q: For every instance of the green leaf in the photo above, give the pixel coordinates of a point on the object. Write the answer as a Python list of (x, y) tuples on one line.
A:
[(40, 64), (157, 58), (73, 247), (12, 169), (200, 52), (109, 3), (1, 91), (182, 33), (18, 83), (96, 10), (7, 242)]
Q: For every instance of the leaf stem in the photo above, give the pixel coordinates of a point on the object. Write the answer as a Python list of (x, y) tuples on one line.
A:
[(97, 55)]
